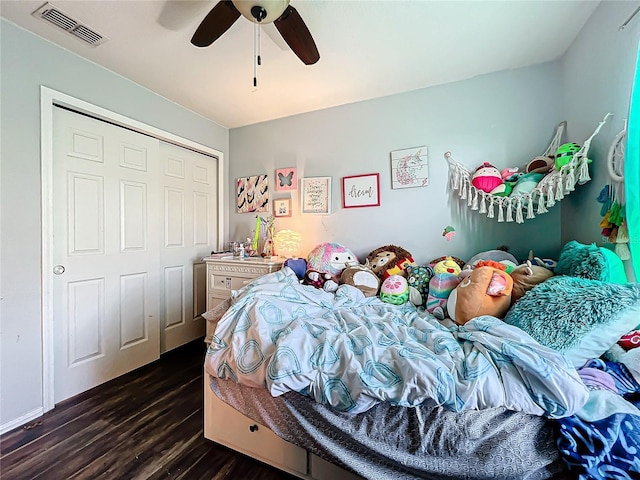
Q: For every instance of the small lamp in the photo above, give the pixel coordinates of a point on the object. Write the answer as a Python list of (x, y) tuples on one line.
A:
[(287, 243)]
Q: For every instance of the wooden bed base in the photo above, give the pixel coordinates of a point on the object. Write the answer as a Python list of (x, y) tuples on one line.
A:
[(226, 426)]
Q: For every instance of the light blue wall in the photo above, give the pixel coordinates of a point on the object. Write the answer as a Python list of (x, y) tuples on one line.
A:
[(506, 118), (27, 62), (597, 76)]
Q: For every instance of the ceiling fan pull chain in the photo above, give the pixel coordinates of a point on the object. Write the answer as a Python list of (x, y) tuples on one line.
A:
[(259, 27), (255, 56)]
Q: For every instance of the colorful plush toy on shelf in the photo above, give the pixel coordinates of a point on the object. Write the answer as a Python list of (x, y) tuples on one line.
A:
[(486, 291), (325, 264), (565, 153), (541, 164), (526, 183), (390, 260), (486, 177), (445, 279), (395, 290), (509, 174)]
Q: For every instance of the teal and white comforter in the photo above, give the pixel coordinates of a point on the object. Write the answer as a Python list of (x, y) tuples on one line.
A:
[(351, 352)]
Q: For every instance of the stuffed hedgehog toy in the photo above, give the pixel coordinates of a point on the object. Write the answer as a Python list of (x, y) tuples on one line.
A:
[(325, 264), (390, 260)]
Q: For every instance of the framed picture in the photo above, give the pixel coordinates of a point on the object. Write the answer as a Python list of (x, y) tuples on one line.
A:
[(315, 195), (252, 194), (286, 179), (282, 207), (410, 168), (361, 191)]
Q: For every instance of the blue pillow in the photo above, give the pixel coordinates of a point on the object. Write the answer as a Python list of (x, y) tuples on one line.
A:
[(577, 317), (591, 262)]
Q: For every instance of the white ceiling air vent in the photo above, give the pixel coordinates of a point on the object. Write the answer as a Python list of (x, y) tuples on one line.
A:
[(57, 17)]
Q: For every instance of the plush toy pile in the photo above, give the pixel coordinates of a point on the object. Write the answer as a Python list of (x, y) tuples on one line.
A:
[(513, 181), (447, 287)]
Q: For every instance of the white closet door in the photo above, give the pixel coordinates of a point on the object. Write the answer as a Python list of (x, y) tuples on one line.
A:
[(106, 216), (190, 231)]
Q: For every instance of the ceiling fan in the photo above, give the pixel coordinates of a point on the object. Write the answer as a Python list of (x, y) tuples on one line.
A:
[(285, 18)]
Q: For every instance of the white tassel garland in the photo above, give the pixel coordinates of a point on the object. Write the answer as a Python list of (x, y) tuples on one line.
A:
[(519, 218), (541, 208), (583, 175), (560, 189), (474, 204), (463, 192), (550, 199), (483, 203), (490, 213), (500, 213), (509, 211), (455, 179), (530, 208), (570, 186)]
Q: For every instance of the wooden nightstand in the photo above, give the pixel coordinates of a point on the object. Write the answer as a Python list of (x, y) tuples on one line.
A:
[(232, 273)]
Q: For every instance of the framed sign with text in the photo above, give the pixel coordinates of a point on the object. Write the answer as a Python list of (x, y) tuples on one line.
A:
[(315, 195), (361, 191)]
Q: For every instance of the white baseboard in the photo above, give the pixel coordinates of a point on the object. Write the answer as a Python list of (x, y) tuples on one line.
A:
[(27, 417)]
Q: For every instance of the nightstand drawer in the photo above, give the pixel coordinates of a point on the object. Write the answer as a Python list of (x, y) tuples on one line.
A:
[(227, 282)]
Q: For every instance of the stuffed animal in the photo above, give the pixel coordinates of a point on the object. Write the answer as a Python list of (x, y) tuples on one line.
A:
[(510, 173), (322, 280), (526, 183), (565, 153), (542, 262), (541, 164), (361, 277), (445, 279), (298, 265), (501, 254), (325, 264), (486, 177), (394, 290), (525, 277), (487, 291), (390, 260), (503, 190), (418, 277)]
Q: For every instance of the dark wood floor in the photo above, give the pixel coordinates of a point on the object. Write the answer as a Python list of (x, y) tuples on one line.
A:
[(147, 424)]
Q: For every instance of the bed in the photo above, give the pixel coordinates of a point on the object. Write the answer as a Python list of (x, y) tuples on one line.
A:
[(337, 385)]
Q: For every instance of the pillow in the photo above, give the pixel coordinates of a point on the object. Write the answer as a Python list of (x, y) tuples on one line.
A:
[(577, 317), (591, 262)]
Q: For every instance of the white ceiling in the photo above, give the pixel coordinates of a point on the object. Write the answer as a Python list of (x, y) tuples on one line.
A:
[(368, 49)]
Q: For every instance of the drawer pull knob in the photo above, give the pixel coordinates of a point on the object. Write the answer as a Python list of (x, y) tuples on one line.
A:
[(253, 428)]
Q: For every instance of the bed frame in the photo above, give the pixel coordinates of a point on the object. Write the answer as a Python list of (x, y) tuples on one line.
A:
[(226, 426)]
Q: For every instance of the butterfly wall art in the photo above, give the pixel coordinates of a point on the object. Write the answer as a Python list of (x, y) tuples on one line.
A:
[(286, 179), (252, 194)]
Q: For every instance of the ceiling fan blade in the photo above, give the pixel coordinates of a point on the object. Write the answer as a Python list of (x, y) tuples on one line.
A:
[(217, 21), (297, 35)]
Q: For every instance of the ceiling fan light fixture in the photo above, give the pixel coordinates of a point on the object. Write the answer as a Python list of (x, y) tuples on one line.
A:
[(261, 11)]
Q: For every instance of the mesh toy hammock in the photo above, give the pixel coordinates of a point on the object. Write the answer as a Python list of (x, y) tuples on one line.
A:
[(551, 189)]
